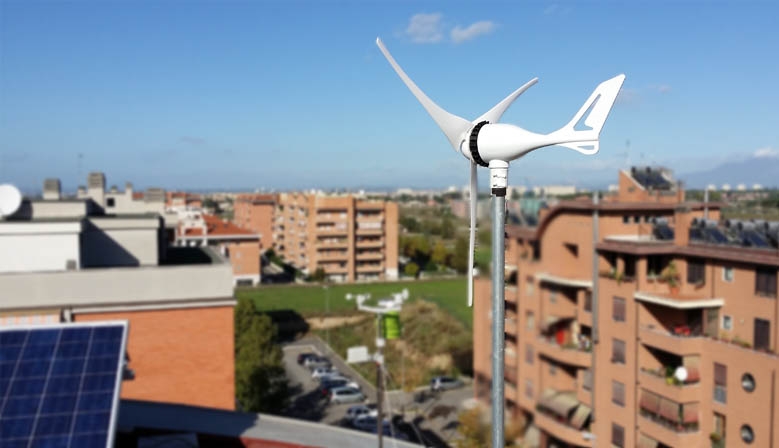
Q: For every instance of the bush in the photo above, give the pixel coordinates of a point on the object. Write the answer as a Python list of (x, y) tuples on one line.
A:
[(411, 269)]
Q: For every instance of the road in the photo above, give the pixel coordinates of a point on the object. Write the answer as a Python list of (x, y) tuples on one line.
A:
[(432, 420)]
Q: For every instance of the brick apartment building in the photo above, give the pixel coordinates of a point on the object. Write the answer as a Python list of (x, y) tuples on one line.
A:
[(105, 256), (673, 331), (350, 238), (238, 245)]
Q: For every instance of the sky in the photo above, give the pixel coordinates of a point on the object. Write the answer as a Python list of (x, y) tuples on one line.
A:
[(295, 94)]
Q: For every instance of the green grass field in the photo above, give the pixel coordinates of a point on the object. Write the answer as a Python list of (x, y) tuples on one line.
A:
[(309, 300)]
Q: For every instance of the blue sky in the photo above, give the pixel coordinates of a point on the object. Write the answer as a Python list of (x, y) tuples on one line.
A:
[(295, 94)]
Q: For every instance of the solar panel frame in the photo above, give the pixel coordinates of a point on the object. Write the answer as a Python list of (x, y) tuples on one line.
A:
[(52, 417)]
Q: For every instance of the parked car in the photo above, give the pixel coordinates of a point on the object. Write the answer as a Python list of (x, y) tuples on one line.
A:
[(360, 410), (368, 423), (333, 383), (316, 361), (444, 383), (346, 395), (320, 372), (303, 356)]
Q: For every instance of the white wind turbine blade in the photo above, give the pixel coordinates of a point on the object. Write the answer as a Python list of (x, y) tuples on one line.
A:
[(493, 115), (472, 234), (454, 127)]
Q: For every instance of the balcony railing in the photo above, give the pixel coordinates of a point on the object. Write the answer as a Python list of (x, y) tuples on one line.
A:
[(675, 426)]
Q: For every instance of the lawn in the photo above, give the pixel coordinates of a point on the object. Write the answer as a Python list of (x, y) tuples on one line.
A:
[(310, 300)]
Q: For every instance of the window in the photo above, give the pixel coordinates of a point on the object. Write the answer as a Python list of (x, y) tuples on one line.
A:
[(727, 323), (552, 296), (529, 354), (765, 282), (748, 382), (618, 393), (618, 351), (720, 383), (529, 389), (719, 425), (618, 309), (762, 334), (110, 202), (588, 301), (696, 271), (617, 435), (747, 435), (552, 370), (529, 289), (626, 219), (587, 381), (530, 320), (636, 219), (727, 274)]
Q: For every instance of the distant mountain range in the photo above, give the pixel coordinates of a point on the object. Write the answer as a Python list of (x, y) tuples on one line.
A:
[(754, 170)]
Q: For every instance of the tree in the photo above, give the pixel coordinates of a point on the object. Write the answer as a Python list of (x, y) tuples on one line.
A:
[(438, 255), (260, 381), (477, 432), (319, 275), (447, 228), (411, 269), (459, 260)]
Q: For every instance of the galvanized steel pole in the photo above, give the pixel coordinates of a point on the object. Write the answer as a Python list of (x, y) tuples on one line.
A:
[(498, 292)]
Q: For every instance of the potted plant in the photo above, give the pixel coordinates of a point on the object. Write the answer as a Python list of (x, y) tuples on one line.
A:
[(671, 275)]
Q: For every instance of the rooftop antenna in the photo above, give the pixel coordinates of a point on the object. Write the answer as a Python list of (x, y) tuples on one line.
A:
[(485, 142)]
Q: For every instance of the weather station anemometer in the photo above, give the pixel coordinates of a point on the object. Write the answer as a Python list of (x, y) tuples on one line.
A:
[(486, 142)]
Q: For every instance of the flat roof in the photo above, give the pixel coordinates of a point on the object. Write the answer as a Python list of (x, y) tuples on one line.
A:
[(139, 415)]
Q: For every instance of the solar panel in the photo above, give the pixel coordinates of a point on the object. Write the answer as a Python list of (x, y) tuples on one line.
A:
[(752, 238), (59, 384)]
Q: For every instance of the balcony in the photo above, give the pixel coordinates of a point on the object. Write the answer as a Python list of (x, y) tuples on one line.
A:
[(370, 243), (669, 431), (324, 244), (561, 415), (370, 268), (332, 230), (570, 354), (367, 256), (661, 385), (683, 343), (370, 231), (333, 255)]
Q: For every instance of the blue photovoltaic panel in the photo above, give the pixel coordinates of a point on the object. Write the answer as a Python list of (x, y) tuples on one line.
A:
[(59, 384)]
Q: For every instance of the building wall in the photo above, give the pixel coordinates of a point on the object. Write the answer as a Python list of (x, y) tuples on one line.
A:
[(256, 213), (119, 246), (47, 249), (179, 356)]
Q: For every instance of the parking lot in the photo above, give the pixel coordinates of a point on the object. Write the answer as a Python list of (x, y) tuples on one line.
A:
[(433, 420)]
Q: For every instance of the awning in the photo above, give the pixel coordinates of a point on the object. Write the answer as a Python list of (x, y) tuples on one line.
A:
[(562, 404), (692, 364), (646, 442), (650, 402), (532, 437), (690, 413), (580, 416), (551, 321), (669, 410)]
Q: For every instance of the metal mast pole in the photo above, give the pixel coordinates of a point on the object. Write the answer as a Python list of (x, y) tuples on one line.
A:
[(498, 184), (379, 381)]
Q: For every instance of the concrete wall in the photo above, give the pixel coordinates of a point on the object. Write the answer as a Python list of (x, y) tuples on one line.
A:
[(179, 356), (39, 247), (115, 286), (110, 242)]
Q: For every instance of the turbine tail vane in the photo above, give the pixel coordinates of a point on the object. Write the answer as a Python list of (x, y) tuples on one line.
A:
[(454, 127)]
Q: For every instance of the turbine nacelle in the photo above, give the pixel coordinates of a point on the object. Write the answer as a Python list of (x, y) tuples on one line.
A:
[(488, 143)]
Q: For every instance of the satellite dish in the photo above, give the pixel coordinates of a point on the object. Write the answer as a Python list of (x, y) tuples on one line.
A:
[(681, 374), (10, 200)]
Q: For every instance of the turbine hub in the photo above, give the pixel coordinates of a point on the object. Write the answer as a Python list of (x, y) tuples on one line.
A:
[(473, 145)]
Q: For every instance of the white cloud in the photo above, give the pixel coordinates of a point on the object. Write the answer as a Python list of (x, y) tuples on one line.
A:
[(766, 152), (460, 34), (663, 88), (425, 28)]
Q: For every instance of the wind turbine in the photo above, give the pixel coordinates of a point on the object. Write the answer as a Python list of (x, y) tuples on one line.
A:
[(485, 142)]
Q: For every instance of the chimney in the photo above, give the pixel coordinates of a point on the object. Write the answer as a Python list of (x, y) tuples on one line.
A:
[(682, 222), (128, 190), (52, 189), (114, 189), (96, 188), (81, 192)]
